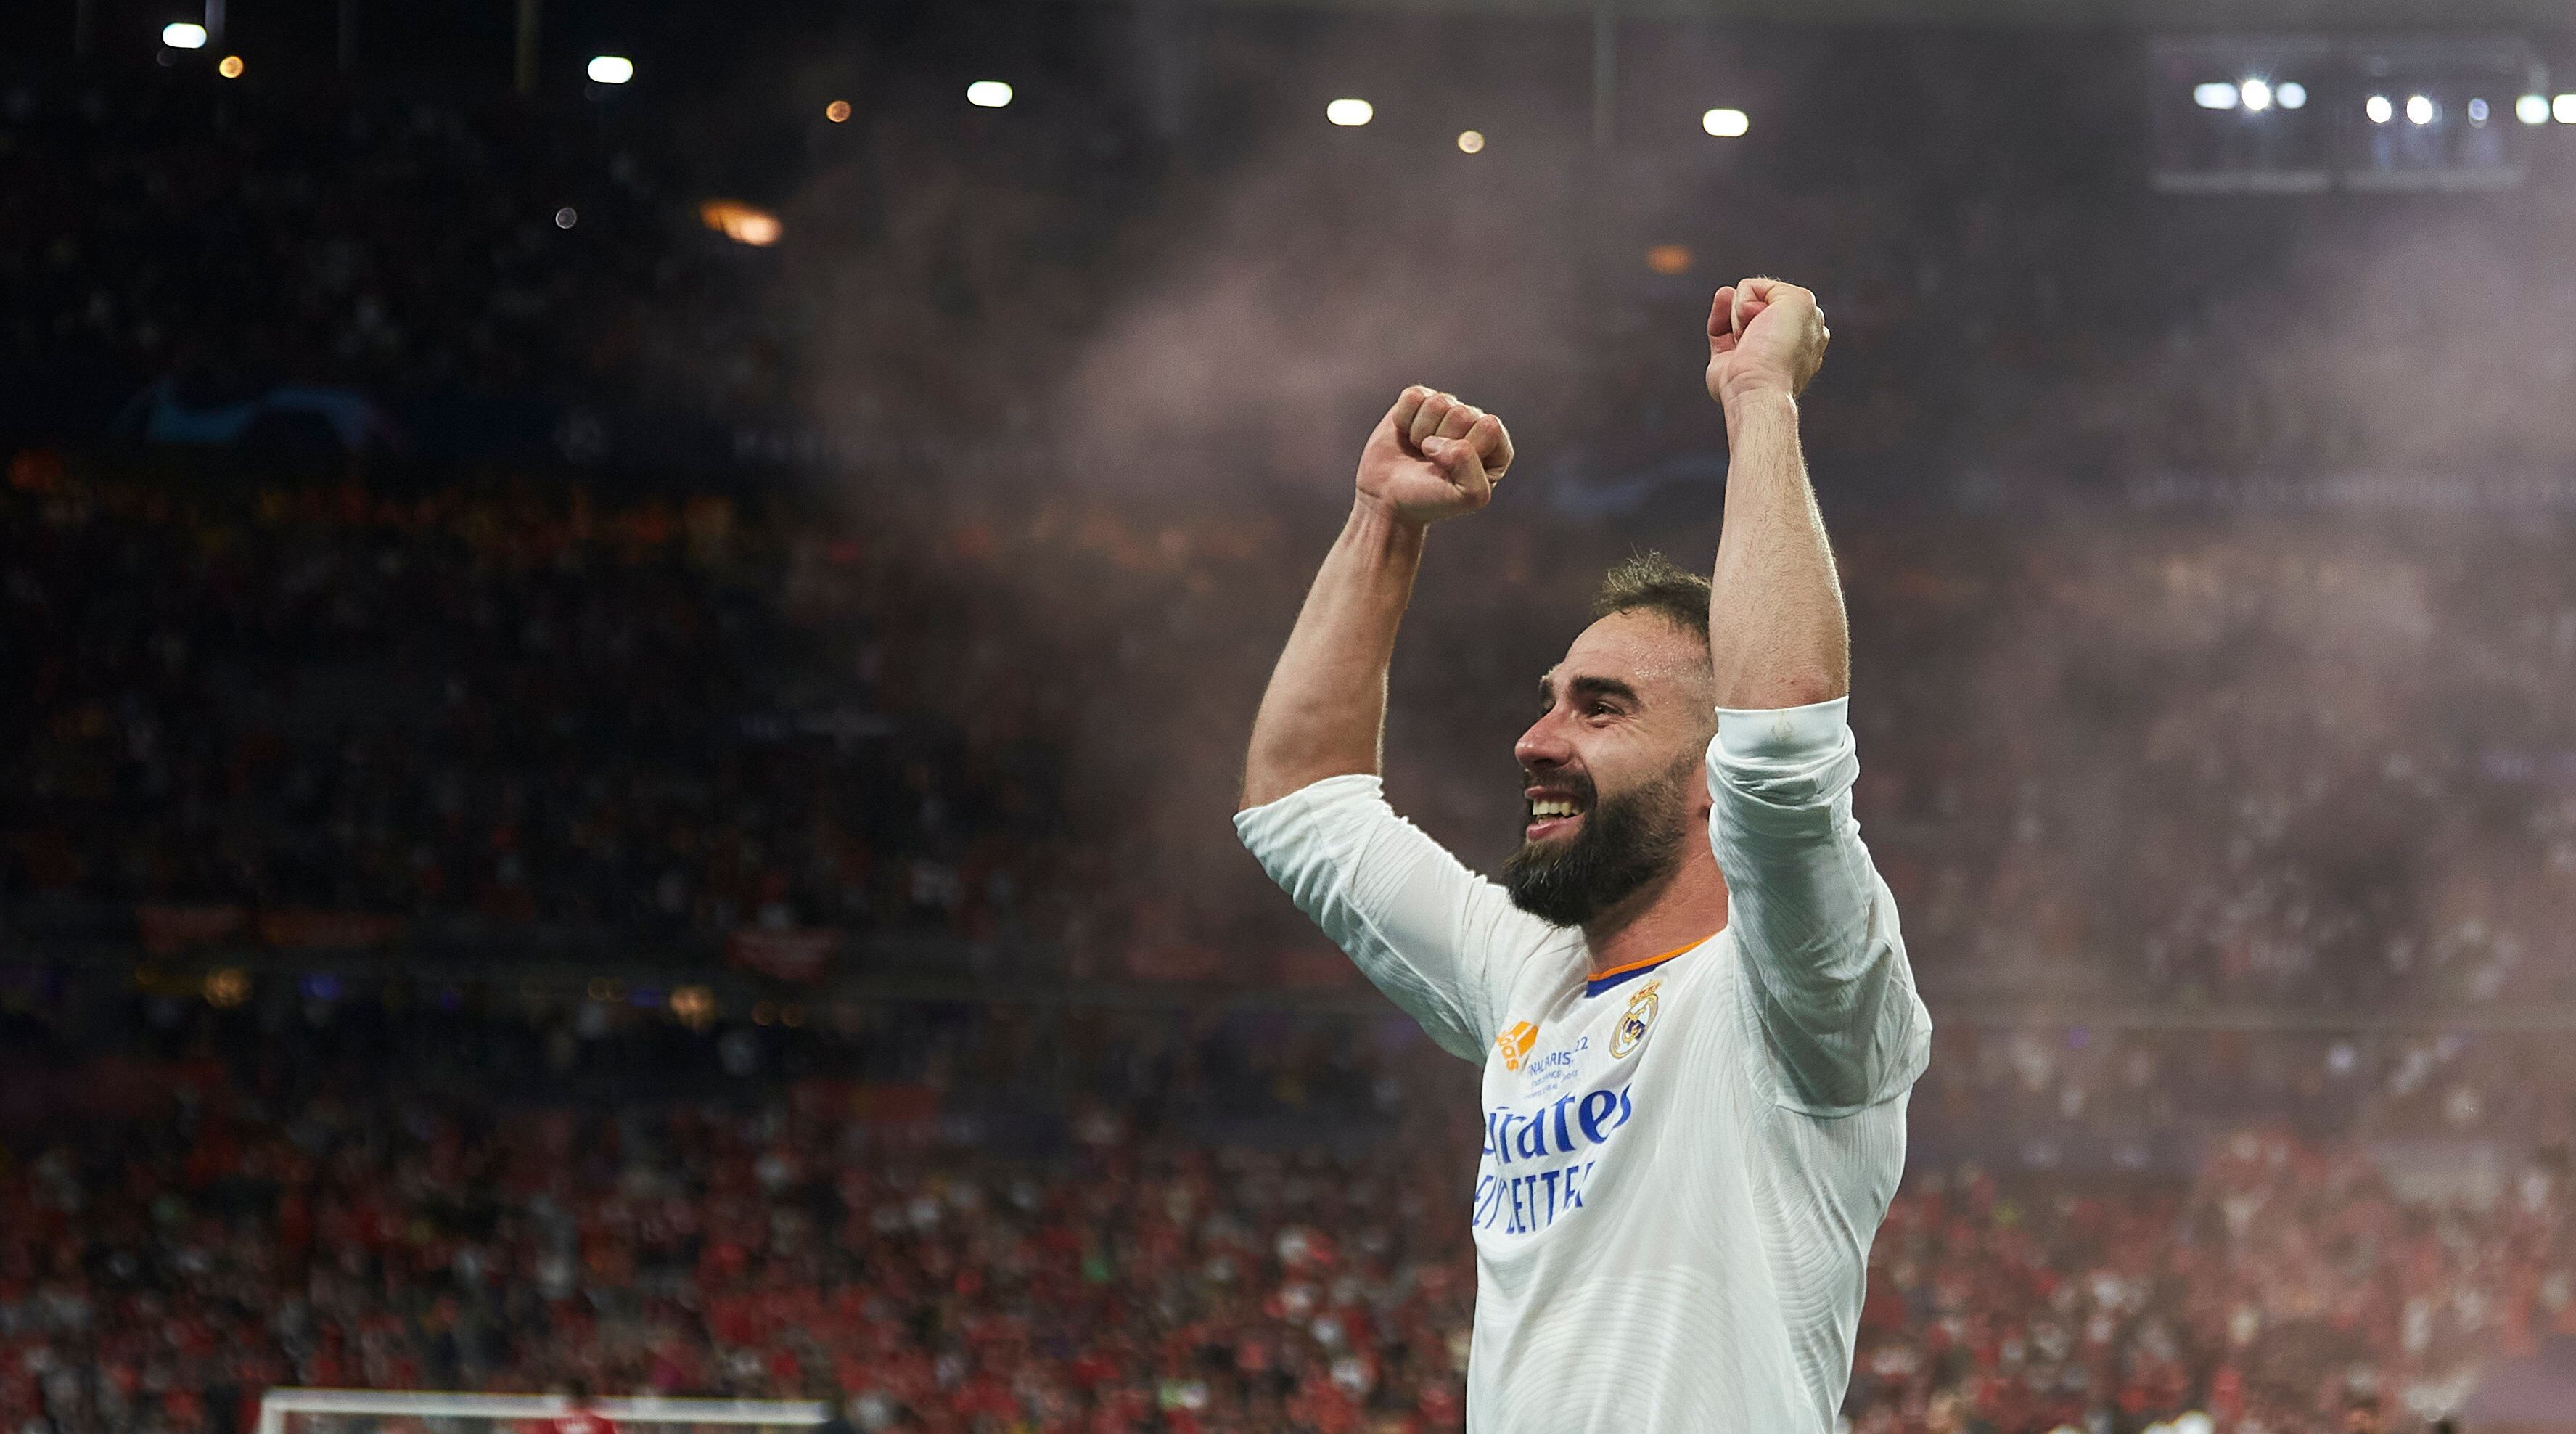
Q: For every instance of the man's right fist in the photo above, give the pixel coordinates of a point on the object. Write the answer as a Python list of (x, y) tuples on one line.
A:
[(1433, 457)]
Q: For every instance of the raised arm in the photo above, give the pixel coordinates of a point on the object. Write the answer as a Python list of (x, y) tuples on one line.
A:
[(1816, 927), (1324, 714), (1427, 931), (1776, 631)]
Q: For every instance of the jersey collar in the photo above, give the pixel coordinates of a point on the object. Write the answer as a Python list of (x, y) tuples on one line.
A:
[(1621, 975)]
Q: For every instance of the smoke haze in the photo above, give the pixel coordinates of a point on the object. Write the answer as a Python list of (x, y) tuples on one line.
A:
[(2211, 715)]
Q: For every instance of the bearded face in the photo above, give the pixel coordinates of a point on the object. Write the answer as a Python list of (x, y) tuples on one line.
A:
[(1585, 853)]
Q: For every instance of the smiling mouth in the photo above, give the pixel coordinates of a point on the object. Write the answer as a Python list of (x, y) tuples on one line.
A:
[(1551, 816)]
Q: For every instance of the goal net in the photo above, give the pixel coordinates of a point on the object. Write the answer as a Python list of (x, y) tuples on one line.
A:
[(378, 1411)]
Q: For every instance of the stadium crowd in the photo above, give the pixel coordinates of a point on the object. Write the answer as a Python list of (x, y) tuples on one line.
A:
[(2298, 760), (417, 242), (654, 720), (2209, 756), (400, 244), (413, 1198)]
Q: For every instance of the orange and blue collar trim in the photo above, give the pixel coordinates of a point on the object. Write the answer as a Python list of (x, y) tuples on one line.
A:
[(1621, 975)]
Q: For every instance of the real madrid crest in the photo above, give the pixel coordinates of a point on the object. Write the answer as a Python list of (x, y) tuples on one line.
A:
[(1639, 1018)]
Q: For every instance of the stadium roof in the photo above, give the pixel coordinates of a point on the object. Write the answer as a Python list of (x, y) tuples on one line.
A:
[(2231, 16)]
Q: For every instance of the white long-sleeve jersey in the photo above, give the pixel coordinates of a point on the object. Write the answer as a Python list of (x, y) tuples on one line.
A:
[(1685, 1159)]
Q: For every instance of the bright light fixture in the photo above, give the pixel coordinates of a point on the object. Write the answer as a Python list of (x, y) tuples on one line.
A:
[(610, 69), (2532, 109), (2419, 109), (230, 67), (1470, 141), (567, 217), (1725, 124), (2290, 95), (838, 111), (988, 94), (2215, 95), (184, 35), (740, 222), (2379, 109), (1348, 113), (2563, 109), (2257, 95), (2478, 112)]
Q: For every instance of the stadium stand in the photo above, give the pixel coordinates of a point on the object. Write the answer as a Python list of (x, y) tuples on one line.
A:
[(1097, 1221), (326, 716), (495, 896)]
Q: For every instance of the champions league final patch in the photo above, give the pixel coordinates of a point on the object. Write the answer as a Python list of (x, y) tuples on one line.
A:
[(1640, 1017)]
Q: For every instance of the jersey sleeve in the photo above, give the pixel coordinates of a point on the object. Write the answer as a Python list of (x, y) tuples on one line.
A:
[(1813, 923), (1439, 940)]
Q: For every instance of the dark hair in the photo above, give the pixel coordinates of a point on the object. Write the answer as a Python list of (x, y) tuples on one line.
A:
[(1655, 583)]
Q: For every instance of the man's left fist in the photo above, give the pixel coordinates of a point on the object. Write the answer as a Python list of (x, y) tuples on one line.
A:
[(1764, 335)]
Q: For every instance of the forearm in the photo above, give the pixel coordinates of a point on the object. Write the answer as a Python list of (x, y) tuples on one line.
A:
[(1324, 714), (1777, 634)]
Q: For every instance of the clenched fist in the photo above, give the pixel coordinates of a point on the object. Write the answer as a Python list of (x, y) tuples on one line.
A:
[(1433, 457), (1764, 335)]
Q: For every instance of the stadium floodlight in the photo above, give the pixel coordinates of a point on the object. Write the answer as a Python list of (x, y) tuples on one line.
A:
[(988, 94), (2419, 109), (184, 35), (2257, 95), (2532, 109), (2215, 95), (2478, 112), (610, 69), (2563, 109), (1350, 113), (230, 67), (1471, 141), (2379, 109), (2290, 95), (740, 222), (838, 111), (1726, 123)]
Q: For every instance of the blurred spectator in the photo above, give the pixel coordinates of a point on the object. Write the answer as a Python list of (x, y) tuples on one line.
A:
[(413, 1199), (2213, 758)]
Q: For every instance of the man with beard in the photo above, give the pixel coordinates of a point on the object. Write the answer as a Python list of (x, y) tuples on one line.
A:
[(1689, 996)]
